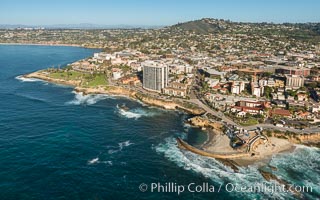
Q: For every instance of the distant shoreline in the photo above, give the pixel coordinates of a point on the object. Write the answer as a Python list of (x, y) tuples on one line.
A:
[(45, 44)]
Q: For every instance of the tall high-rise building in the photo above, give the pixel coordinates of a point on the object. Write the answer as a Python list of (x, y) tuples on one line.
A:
[(155, 76)]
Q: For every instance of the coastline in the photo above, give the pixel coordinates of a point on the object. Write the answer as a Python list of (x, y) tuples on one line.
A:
[(119, 91), (50, 44), (217, 145)]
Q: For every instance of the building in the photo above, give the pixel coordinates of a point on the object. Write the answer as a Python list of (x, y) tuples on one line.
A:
[(249, 107), (237, 87), (209, 72), (256, 88), (278, 83), (131, 80), (280, 112), (155, 76), (176, 89), (116, 73), (293, 71), (267, 82), (211, 82), (294, 81)]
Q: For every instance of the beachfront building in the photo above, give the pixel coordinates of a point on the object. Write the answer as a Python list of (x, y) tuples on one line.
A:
[(176, 89), (155, 76)]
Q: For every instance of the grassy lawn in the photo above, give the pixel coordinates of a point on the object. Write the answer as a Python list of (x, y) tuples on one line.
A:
[(72, 75), (249, 122), (97, 80), (88, 79)]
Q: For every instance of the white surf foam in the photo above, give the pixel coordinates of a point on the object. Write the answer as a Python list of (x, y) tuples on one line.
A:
[(93, 161), (129, 114), (90, 99), (301, 166), (124, 144), (97, 161), (215, 170), (24, 79), (135, 113), (120, 146)]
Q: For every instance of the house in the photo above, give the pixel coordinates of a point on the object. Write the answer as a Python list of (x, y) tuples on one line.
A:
[(302, 97), (249, 107), (303, 115), (315, 108), (280, 112)]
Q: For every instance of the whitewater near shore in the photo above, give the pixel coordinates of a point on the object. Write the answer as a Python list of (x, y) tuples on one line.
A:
[(210, 168)]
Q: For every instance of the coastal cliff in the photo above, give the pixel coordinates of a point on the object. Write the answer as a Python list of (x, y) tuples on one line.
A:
[(204, 122), (121, 91), (42, 76), (111, 90), (170, 104), (310, 139)]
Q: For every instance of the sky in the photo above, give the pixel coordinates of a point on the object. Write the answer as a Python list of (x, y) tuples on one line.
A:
[(155, 12)]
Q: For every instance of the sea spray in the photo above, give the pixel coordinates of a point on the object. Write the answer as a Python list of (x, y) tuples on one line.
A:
[(217, 172), (302, 167), (90, 99), (136, 113), (24, 79)]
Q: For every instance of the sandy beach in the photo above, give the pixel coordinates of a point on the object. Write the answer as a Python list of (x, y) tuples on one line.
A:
[(220, 143)]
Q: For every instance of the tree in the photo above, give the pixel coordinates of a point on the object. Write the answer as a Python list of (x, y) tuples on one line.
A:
[(267, 92)]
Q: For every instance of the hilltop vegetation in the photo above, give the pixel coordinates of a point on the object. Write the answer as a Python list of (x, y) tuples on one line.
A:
[(201, 34), (301, 31)]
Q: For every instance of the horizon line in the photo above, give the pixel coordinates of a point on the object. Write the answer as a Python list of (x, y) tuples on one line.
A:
[(56, 25)]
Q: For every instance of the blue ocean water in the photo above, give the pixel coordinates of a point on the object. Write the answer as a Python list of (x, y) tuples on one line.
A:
[(57, 144)]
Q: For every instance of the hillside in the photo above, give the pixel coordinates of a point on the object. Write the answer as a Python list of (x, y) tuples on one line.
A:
[(202, 26), (299, 31)]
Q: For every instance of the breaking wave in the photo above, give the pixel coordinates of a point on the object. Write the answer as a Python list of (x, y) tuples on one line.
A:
[(81, 99), (135, 113), (24, 79), (247, 176), (301, 167)]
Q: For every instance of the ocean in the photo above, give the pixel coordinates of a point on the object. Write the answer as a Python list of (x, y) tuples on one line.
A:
[(57, 144)]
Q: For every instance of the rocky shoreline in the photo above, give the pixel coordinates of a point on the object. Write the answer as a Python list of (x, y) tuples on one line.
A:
[(279, 142), (231, 159), (308, 139), (121, 91), (40, 75)]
